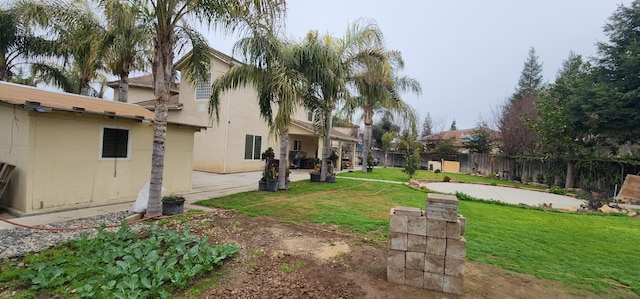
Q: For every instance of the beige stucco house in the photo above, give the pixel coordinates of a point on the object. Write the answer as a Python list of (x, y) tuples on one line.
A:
[(235, 141), (71, 150)]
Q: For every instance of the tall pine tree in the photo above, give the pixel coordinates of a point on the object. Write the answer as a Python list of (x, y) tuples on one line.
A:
[(427, 126), (531, 77)]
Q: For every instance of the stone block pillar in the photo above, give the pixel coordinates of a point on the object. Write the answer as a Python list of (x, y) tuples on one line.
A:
[(426, 248)]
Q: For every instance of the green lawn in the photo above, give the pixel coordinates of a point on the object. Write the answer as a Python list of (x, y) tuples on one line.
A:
[(396, 174), (594, 251)]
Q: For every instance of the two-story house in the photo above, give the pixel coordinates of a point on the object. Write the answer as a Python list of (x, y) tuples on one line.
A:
[(235, 142)]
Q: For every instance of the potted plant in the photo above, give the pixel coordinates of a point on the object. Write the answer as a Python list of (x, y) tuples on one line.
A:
[(172, 205), (287, 182), (331, 168), (370, 162), (315, 173), (267, 156), (272, 176)]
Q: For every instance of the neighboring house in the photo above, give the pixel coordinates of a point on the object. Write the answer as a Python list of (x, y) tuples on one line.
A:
[(457, 136), (235, 142), (71, 150)]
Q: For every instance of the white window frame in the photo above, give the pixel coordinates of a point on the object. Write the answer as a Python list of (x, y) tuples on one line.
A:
[(255, 155), (199, 86), (101, 145), (297, 145)]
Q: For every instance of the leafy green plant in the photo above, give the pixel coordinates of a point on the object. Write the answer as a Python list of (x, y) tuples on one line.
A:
[(124, 265), (446, 178), (173, 198)]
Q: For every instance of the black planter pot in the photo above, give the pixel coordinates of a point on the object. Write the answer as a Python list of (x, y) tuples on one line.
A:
[(262, 185), (315, 177), (331, 179), (272, 185), (369, 169), (173, 207), (287, 184)]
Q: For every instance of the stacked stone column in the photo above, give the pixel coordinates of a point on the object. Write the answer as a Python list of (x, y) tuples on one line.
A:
[(426, 249)]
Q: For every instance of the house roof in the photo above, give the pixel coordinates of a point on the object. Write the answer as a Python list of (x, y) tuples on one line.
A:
[(335, 134), (173, 104), (451, 134), (215, 53), (144, 81), (33, 98)]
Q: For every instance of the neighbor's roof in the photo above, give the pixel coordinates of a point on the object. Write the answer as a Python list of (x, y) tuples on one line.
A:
[(335, 134), (35, 97)]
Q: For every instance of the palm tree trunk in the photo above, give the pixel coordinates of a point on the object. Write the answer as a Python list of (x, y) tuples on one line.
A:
[(326, 145), (123, 88), (568, 183), (282, 166), (162, 76), (84, 87), (368, 120)]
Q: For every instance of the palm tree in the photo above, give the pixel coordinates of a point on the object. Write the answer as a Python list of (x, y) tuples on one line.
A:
[(379, 88), (128, 41), (270, 70), (169, 20), (329, 63), (73, 37), (13, 41)]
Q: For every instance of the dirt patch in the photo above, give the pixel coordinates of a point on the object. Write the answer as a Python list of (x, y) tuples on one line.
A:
[(312, 261)]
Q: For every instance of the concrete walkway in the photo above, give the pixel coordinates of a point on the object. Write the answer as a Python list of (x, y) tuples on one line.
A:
[(508, 195), (204, 186)]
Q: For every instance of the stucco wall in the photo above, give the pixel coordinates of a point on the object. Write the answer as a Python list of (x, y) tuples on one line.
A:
[(136, 94), (14, 149), (220, 148)]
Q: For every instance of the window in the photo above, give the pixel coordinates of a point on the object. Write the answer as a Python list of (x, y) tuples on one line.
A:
[(297, 145), (309, 115), (203, 89), (115, 143), (252, 147)]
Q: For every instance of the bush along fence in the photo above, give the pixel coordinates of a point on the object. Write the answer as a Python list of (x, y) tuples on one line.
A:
[(589, 173), (427, 249)]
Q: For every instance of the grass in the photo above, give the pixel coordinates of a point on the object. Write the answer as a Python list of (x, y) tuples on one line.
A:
[(395, 174), (590, 250)]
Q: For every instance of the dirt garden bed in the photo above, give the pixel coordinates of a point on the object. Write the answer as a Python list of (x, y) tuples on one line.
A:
[(280, 260)]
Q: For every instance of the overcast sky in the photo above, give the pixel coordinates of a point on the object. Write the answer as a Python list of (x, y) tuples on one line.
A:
[(467, 55)]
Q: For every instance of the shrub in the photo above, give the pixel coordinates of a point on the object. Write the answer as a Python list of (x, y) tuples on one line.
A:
[(411, 165), (559, 191), (446, 178), (437, 171)]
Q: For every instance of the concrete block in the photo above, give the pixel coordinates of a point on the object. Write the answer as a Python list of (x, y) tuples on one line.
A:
[(436, 246), (396, 259), (398, 223), (433, 281), (442, 207), (436, 228), (454, 266), (453, 230), (415, 260), (455, 248), (453, 285), (414, 278), (416, 243), (408, 211), (463, 223), (395, 275), (398, 241), (417, 225), (434, 263)]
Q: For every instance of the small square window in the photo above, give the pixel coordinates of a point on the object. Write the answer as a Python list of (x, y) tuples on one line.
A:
[(203, 89), (115, 143)]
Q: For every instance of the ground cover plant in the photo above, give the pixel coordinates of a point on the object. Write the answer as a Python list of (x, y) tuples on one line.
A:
[(396, 174), (587, 250), (122, 264)]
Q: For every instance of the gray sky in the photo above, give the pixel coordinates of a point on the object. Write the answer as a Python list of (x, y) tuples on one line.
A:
[(468, 55)]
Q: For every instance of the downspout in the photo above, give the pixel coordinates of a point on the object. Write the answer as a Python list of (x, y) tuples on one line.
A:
[(226, 136)]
